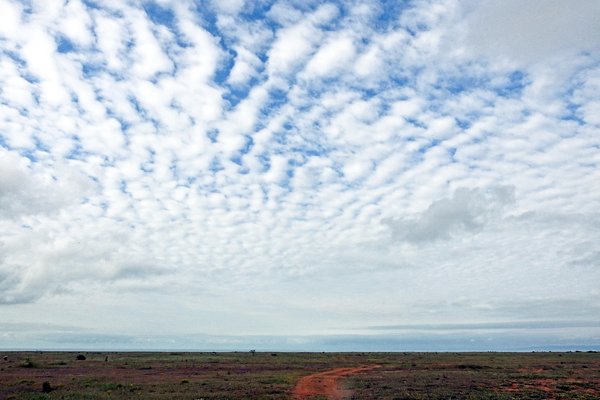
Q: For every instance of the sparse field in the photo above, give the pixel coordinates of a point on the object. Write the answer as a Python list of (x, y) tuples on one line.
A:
[(274, 375)]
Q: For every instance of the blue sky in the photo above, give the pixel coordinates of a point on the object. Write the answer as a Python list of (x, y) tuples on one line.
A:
[(300, 175)]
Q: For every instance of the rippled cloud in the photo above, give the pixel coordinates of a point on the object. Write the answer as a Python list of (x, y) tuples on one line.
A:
[(283, 167)]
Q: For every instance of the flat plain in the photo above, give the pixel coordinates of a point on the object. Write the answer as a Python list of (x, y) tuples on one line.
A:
[(241, 375)]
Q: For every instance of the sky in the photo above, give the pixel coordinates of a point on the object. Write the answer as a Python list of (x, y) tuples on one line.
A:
[(300, 175)]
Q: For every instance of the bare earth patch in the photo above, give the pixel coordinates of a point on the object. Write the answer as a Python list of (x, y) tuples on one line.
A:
[(327, 384)]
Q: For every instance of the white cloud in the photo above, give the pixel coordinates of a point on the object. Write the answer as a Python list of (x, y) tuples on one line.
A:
[(76, 23), (39, 54), (291, 47), (112, 38), (229, 6), (16, 90), (295, 43), (200, 61), (284, 13), (357, 169), (332, 57), (277, 169), (369, 63), (10, 18), (149, 58), (245, 68)]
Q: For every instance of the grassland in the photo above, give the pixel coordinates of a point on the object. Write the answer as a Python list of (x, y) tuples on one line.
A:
[(400, 376)]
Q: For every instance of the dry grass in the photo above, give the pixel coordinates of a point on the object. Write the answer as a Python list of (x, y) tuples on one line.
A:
[(267, 376)]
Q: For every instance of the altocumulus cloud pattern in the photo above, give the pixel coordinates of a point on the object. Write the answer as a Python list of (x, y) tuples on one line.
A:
[(298, 167)]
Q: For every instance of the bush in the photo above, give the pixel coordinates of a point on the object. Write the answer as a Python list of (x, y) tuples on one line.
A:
[(46, 388)]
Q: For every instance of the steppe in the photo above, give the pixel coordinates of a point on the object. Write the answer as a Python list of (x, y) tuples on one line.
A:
[(298, 376)]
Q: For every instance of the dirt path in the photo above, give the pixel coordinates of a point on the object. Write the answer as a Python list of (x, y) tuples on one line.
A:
[(326, 384)]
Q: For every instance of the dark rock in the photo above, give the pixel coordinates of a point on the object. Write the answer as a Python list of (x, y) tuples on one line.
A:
[(80, 357)]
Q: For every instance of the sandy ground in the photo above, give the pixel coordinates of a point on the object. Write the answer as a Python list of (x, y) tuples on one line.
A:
[(327, 383)]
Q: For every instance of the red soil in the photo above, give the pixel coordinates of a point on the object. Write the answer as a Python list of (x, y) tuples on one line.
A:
[(326, 384)]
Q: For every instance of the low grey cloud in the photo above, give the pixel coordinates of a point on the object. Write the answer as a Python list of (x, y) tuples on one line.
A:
[(510, 325), (10, 278), (27, 191), (591, 259), (69, 262), (468, 210), (138, 271), (534, 30), (20, 327), (555, 307)]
